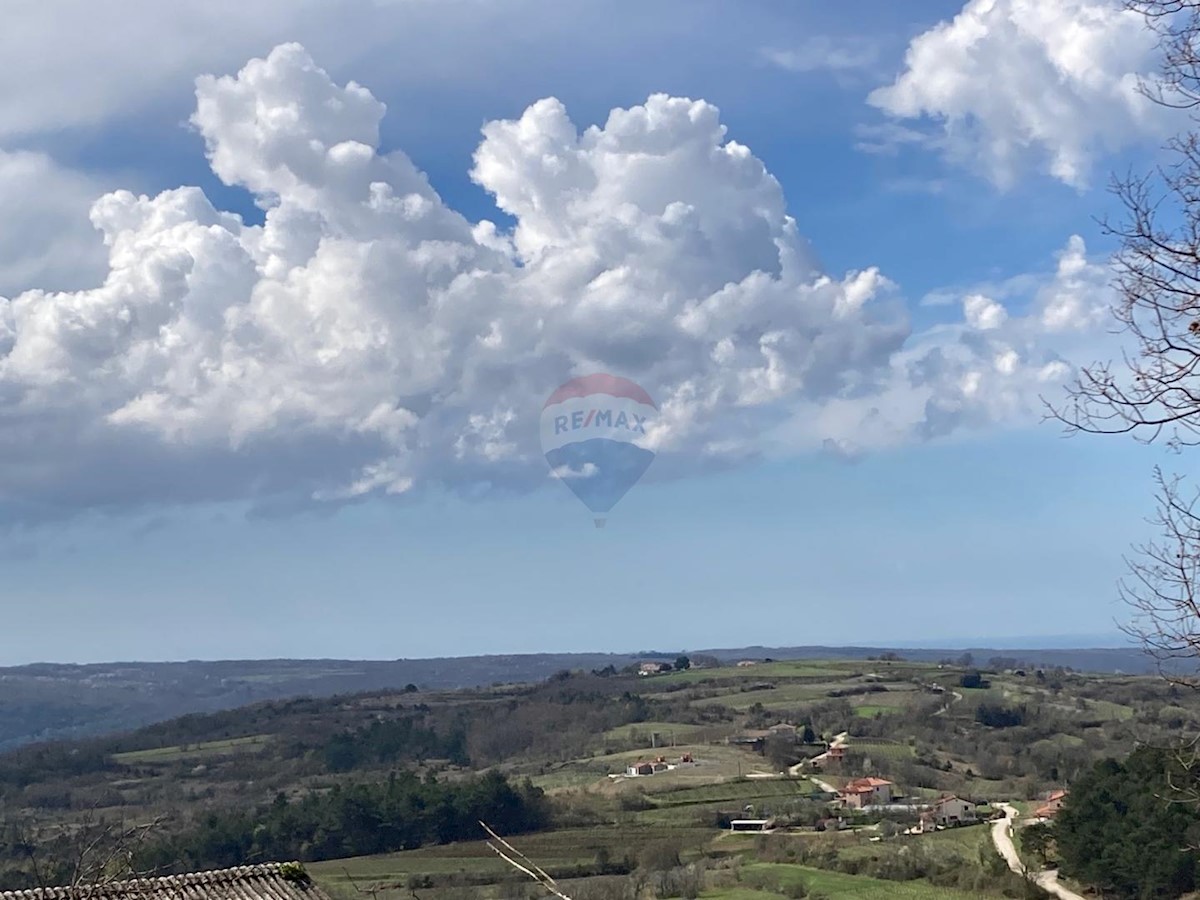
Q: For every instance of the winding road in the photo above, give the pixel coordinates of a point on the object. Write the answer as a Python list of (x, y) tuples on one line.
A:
[(839, 740), (1002, 830)]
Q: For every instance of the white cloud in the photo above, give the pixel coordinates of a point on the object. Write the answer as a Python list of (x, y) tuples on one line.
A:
[(983, 313), (825, 53), (366, 339), (1019, 82), (997, 366)]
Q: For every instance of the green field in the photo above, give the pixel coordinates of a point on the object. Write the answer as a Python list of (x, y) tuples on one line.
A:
[(881, 749), (761, 671), (869, 711), (740, 790), (787, 696), (777, 876), (554, 851), (682, 733), (195, 752)]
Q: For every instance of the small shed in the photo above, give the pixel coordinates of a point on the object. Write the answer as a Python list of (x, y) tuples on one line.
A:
[(751, 824)]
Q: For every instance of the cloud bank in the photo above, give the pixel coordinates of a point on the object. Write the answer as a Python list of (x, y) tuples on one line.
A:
[(369, 340)]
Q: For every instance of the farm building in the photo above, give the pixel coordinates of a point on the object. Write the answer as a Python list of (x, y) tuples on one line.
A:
[(752, 825)]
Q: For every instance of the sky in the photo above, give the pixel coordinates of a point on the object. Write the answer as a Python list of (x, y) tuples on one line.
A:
[(284, 288)]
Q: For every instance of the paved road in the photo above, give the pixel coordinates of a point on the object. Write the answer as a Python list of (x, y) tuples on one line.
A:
[(1002, 838)]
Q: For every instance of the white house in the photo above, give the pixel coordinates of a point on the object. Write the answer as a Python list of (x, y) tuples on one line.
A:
[(951, 810)]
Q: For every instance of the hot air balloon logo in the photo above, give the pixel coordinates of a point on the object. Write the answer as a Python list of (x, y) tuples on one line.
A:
[(594, 434)]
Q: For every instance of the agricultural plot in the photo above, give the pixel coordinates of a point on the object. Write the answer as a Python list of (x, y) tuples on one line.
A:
[(871, 710), (714, 763), (736, 791), (554, 851), (799, 669), (680, 732), (775, 879), (882, 749), (781, 697), (195, 752)]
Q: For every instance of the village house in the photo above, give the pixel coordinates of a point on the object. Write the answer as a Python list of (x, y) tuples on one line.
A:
[(1050, 808), (783, 729), (863, 792), (951, 810), (831, 759), (640, 768)]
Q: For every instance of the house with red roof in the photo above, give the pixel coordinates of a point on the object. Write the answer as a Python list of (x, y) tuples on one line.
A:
[(1050, 808), (866, 792)]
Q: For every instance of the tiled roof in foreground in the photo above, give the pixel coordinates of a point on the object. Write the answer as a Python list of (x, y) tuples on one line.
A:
[(270, 881)]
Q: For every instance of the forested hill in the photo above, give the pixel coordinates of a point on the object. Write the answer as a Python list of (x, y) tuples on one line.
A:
[(52, 701)]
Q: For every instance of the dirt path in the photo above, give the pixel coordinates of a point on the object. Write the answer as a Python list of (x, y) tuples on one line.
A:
[(955, 697), (839, 740), (1002, 830)]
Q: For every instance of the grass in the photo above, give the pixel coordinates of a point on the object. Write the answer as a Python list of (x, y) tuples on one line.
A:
[(784, 669), (748, 789), (194, 752), (882, 749), (682, 732), (839, 885), (869, 711), (781, 697), (962, 842), (554, 851), (701, 804)]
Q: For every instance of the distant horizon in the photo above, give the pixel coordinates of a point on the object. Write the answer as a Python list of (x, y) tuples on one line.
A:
[(1097, 641)]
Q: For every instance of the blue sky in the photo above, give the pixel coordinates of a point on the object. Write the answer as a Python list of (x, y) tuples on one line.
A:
[(199, 524)]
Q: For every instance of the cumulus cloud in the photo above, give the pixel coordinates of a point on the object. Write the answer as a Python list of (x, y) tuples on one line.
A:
[(366, 339), (1017, 82)]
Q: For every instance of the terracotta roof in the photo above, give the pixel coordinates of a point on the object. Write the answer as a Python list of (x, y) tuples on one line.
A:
[(269, 881), (948, 797)]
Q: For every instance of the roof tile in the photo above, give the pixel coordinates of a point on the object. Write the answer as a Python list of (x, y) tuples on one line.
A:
[(268, 881)]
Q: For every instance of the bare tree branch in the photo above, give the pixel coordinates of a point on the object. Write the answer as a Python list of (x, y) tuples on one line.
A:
[(530, 868)]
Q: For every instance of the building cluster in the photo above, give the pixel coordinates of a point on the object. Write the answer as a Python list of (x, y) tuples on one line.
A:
[(658, 764)]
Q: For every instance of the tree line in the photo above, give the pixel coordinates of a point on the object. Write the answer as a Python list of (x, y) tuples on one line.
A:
[(402, 813)]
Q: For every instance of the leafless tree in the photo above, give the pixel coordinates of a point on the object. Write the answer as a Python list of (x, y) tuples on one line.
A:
[(83, 855), (1154, 393)]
